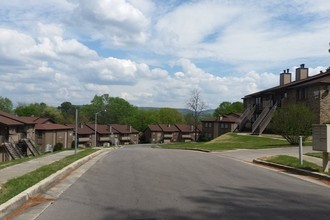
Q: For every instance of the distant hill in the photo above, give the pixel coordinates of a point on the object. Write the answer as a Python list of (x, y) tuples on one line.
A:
[(183, 111)]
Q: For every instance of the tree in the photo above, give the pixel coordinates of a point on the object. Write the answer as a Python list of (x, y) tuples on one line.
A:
[(68, 112), (6, 105), (40, 110), (197, 106), (293, 121), (170, 116), (227, 108), (33, 109)]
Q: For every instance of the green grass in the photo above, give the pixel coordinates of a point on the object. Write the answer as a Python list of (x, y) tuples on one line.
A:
[(233, 141), (17, 185), (294, 162)]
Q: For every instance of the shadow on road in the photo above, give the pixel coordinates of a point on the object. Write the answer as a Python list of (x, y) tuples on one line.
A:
[(233, 203)]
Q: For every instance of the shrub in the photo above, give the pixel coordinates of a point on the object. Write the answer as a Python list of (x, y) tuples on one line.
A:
[(58, 147), (293, 121)]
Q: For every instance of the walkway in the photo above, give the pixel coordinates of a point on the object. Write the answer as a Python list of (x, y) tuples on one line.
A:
[(26, 167)]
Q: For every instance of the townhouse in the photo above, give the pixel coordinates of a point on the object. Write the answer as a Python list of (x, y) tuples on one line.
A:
[(313, 91), (165, 133), (24, 136), (216, 126), (113, 134)]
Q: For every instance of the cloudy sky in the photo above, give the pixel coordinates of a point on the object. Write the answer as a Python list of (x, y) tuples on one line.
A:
[(154, 52)]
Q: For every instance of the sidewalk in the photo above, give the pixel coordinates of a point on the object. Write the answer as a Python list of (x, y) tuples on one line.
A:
[(26, 167), (249, 155)]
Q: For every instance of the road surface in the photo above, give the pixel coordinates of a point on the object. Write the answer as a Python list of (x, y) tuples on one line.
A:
[(152, 184)]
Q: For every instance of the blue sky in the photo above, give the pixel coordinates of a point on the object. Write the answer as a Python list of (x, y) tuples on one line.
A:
[(154, 53)]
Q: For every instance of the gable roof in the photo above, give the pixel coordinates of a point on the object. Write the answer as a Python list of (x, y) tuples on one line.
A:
[(185, 128), (154, 128), (115, 128), (10, 119), (168, 128), (124, 129), (323, 77), (50, 126)]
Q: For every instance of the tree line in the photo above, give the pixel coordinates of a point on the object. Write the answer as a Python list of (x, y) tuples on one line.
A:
[(112, 110)]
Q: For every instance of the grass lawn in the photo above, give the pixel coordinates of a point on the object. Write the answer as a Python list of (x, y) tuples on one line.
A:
[(294, 162), (233, 141), (17, 185)]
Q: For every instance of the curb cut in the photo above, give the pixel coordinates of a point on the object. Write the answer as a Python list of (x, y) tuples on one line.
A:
[(17, 201), (294, 170)]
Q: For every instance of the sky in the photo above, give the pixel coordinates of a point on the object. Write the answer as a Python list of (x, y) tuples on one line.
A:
[(153, 53)]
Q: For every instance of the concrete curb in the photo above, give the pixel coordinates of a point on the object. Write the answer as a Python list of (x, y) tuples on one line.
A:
[(177, 148), (17, 201), (294, 170)]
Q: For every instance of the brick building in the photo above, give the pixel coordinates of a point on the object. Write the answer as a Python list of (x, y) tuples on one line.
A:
[(313, 91)]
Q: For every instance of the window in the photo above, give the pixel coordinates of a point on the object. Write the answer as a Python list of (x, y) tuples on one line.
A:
[(301, 93), (208, 125), (224, 125)]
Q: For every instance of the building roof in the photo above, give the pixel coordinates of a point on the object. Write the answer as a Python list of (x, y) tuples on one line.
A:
[(185, 128), (85, 130), (10, 119), (168, 128), (154, 128), (230, 118), (50, 126), (115, 128), (323, 77), (124, 129)]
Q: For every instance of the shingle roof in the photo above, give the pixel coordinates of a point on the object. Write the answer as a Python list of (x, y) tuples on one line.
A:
[(154, 128), (124, 129), (168, 128), (319, 78), (12, 119), (50, 126), (185, 128), (230, 118), (8, 121)]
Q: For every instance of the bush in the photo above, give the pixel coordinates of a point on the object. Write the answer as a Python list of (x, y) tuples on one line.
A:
[(294, 121), (58, 147)]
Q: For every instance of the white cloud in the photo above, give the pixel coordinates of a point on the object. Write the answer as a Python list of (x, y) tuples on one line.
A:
[(58, 50), (117, 23)]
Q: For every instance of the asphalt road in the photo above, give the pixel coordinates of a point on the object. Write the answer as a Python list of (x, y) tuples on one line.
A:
[(151, 184)]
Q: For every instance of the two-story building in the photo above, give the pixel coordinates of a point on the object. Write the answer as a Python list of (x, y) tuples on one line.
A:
[(313, 91), (165, 133), (113, 134), (216, 126)]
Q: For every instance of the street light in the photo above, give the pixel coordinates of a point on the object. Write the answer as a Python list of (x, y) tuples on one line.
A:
[(96, 122)]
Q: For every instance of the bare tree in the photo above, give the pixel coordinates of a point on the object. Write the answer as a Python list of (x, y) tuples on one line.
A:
[(197, 106)]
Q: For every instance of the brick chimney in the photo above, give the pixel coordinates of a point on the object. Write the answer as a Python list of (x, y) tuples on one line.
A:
[(285, 77), (301, 72)]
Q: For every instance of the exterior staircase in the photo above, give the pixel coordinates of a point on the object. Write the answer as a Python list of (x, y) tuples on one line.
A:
[(246, 116), (13, 151), (31, 146), (263, 120)]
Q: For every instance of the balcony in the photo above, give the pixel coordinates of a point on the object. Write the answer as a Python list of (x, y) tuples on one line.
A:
[(125, 138), (105, 138), (168, 135), (84, 139)]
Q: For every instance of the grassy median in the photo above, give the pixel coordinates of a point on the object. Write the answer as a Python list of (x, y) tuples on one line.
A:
[(232, 141), (17, 185)]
